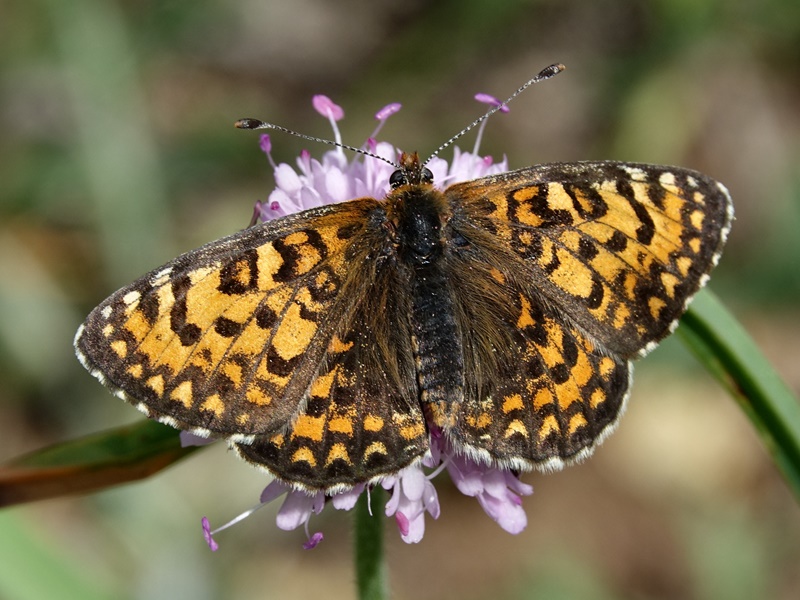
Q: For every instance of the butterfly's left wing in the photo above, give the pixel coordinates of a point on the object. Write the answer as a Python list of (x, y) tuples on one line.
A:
[(278, 338)]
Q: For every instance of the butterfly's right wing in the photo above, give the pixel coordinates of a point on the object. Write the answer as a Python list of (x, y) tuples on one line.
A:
[(586, 265)]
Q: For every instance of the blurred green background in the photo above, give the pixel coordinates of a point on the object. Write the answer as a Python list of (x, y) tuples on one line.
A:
[(117, 152)]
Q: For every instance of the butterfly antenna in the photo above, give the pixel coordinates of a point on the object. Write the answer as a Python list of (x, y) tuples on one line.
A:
[(256, 124), (547, 73)]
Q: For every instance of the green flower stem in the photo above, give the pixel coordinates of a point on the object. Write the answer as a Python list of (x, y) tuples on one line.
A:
[(729, 353), (369, 556)]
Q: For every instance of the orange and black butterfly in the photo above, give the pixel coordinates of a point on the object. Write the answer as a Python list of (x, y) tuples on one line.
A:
[(502, 313)]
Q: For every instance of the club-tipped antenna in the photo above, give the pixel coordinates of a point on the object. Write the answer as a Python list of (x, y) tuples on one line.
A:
[(257, 124), (546, 73)]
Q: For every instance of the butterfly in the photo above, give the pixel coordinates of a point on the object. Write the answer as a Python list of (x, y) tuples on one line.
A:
[(502, 313)]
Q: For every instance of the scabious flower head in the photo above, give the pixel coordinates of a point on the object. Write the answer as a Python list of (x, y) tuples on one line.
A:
[(338, 177)]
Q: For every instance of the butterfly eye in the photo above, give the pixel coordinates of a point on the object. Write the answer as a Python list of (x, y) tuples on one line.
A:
[(397, 179), (427, 176)]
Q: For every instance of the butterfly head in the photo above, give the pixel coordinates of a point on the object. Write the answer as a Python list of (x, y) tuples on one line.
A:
[(411, 172)]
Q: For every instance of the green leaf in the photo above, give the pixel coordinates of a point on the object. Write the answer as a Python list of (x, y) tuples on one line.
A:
[(91, 463)]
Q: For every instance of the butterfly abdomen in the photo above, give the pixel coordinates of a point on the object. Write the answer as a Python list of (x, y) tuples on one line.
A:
[(418, 214), (436, 342)]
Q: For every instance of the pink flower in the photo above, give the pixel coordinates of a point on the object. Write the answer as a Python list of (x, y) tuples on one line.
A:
[(413, 495), (336, 178), (498, 491)]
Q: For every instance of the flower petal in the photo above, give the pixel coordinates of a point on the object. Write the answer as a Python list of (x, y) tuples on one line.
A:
[(509, 515), (413, 482), (286, 178), (347, 500), (274, 489), (416, 529), (337, 186), (431, 500), (296, 510)]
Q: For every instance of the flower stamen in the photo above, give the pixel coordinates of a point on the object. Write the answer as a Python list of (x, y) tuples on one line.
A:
[(491, 101), (207, 526), (383, 115), (333, 112)]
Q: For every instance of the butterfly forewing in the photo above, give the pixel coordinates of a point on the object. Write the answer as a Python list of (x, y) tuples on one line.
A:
[(226, 339), (619, 248)]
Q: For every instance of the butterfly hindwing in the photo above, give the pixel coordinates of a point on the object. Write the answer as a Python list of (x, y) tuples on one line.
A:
[(360, 421), (538, 391), (557, 394), (363, 418)]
